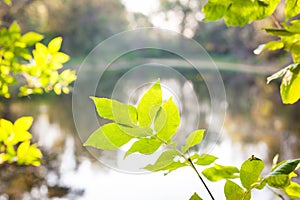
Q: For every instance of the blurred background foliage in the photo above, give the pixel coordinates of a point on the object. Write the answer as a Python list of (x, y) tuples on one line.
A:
[(85, 23), (81, 23)]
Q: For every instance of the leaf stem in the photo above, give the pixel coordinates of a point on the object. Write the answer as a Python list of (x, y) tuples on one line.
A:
[(276, 193), (276, 21), (201, 179), (190, 162)]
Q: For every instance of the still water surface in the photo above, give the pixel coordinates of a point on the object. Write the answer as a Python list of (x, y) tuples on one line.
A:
[(256, 123)]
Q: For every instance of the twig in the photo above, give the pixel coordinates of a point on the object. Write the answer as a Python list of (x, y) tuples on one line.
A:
[(277, 194), (192, 165), (276, 21), (195, 169)]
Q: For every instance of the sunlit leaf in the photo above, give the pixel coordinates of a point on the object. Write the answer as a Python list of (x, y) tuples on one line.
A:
[(293, 190), (219, 172), (193, 139), (281, 72), (172, 120), (273, 45), (290, 86), (278, 181), (145, 146), (239, 12), (149, 104), (6, 126), (195, 197), (14, 27), (8, 2), (108, 137), (215, 10), (31, 38), (136, 131), (250, 172), (55, 44), (60, 57), (174, 166), (164, 161), (116, 111), (23, 123), (203, 159), (278, 32), (285, 167), (28, 154), (234, 192), (292, 8)]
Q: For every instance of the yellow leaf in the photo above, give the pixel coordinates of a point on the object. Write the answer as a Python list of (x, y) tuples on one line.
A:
[(55, 44), (23, 123)]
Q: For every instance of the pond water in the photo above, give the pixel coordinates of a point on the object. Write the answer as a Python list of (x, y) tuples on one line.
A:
[(256, 123)]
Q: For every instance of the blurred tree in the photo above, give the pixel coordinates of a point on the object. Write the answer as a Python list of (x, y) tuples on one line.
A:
[(83, 23)]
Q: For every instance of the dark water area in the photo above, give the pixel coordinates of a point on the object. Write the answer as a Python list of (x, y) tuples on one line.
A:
[(256, 123)]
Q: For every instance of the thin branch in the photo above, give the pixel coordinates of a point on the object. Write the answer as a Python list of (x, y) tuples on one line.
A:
[(276, 21), (188, 160), (201, 179), (276, 193)]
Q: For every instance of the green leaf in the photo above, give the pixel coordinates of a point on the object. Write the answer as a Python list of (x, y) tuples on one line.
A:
[(203, 159), (250, 172), (273, 45), (55, 44), (193, 139), (195, 197), (28, 154), (173, 166), (14, 28), (114, 110), (239, 12), (281, 72), (145, 146), (278, 181), (219, 172), (31, 38), (285, 167), (60, 57), (234, 192), (293, 190), (136, 131), (8, 2), (215, 10), (290, 86), (6, 128), (278, 32), (23, 123), (172, 120), (108, 137), (292, 8), (149, 105), (165, 161)]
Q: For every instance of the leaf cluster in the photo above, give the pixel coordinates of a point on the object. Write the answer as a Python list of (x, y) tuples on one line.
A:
[(250, 177), (37, 71), (240, 13), (15, 145), (151, 126)]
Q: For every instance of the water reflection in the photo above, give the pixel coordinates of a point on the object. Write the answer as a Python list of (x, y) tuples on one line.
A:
[(256, 123)]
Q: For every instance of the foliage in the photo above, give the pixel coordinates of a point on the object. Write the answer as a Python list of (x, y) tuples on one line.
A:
[(153, 123), (239, 13), (35, 73), (15, 143)]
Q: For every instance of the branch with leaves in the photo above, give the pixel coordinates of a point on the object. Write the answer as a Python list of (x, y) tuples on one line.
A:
[(15, 145), (240, 13), (37, 72), (153, 123)]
